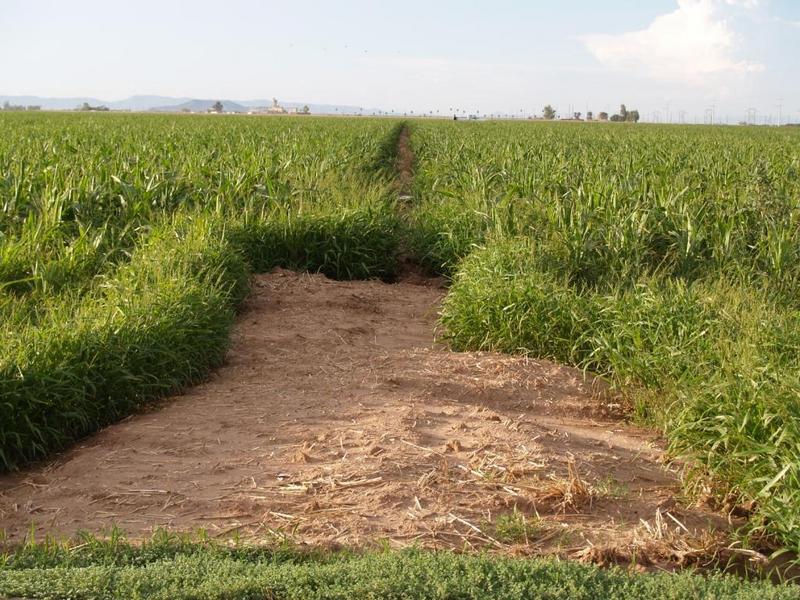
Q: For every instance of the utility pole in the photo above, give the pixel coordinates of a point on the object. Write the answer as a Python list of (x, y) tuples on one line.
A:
[(780, 112)]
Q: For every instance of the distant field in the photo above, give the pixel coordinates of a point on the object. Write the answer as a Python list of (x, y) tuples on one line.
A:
[(663, 258)]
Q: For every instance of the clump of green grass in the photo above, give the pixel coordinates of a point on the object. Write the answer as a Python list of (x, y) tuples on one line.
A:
[(441, 234), (711, 363), (516, 528), (343, 242), (609, 488), (159, 323)]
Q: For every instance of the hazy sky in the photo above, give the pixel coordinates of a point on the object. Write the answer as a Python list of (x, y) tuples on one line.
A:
[(503, 55)]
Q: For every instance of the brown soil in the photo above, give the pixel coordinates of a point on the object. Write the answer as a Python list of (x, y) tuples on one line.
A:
[(338, 420)]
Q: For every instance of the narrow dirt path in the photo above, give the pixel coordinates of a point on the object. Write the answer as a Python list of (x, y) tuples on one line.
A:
[(404, 164), (338, 420)]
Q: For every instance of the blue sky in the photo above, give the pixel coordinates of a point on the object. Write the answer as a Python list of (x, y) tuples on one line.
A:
[(506, 55)]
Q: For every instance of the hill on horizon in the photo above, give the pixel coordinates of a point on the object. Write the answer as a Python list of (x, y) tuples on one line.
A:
[(155, 103), (195, 105)]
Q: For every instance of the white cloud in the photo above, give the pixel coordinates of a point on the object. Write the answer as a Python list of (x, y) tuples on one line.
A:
[(748, 4), (690, 44)]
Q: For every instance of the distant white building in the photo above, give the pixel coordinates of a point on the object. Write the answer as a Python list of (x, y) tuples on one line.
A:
[(276, 109)]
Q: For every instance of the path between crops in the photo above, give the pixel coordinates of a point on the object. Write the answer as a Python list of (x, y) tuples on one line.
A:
[(337, 420), (404, 163)]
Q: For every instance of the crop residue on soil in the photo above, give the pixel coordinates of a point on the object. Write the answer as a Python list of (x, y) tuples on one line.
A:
[(337, 420)]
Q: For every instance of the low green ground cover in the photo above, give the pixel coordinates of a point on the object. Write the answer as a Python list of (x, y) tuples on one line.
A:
[(169, 569)]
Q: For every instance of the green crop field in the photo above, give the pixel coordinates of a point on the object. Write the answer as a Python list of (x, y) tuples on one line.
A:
[(663, 258), (126, 242)]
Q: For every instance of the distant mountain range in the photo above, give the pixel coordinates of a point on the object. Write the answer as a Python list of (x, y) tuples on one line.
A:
[(199, 106), (171, 104)]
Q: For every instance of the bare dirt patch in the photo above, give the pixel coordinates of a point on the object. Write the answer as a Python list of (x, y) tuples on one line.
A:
[(338, 420)]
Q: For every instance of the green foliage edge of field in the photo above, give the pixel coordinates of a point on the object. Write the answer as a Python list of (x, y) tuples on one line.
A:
[(174, 568)]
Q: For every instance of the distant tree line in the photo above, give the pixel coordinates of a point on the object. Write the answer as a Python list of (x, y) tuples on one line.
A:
[(8, 106), (624, 115), (85, 107)]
